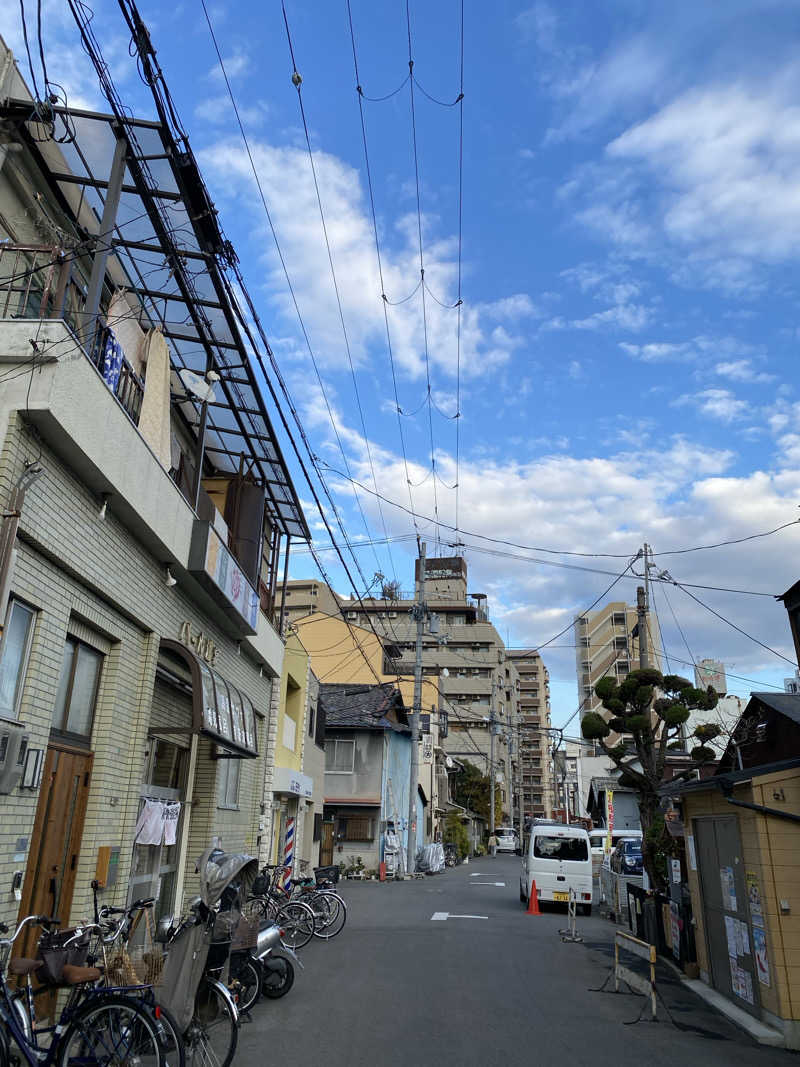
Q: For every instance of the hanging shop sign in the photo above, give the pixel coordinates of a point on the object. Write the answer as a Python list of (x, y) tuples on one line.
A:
[(287, 780), (214, 566)]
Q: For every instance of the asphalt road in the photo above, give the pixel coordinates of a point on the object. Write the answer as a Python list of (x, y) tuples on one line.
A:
[(397, 987)]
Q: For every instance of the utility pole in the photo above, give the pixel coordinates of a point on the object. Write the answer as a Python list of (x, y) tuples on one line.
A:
[(642, 609), (418, 612), (491, 762)]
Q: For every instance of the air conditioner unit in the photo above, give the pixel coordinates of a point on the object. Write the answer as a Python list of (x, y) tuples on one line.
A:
[(13, 748), (391, 614), (351, 615)]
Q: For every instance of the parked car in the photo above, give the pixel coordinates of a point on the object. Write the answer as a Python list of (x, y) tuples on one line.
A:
[(598, 839), (627, 857), (506, 839)]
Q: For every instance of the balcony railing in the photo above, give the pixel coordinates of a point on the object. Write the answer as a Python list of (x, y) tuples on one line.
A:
[(40, 282)]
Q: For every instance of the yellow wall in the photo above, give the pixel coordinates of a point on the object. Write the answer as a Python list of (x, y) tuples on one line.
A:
[(770, 848), (293, 701), (333, 646)]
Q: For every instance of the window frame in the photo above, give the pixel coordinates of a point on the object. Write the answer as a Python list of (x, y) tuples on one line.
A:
[(22, 672), (224, 781), (335, 741), (60, 729)]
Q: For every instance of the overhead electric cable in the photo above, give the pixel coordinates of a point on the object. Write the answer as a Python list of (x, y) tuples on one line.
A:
[(297, 81), (422, 265), (733, 625), (293, 296)]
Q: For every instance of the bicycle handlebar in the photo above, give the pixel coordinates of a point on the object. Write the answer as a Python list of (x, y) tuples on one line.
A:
[(33, 920)]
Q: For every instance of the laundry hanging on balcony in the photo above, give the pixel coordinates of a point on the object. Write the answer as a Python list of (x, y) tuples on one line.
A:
[(158, 821), (112, 360)]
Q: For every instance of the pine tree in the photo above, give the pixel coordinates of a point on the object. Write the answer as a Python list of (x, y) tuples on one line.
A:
[(651, 709)]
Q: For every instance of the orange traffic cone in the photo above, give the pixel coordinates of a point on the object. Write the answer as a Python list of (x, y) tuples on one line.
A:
[(533, 901)]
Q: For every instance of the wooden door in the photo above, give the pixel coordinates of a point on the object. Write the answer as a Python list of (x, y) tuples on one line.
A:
[(326, 845), (56, 839)]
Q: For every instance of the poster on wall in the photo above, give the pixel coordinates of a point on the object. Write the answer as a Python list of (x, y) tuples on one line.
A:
[(754, 898), (730, 933), (728, 887), (760, 954)]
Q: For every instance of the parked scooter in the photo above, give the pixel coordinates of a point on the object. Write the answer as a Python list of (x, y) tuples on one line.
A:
[(266, 967)]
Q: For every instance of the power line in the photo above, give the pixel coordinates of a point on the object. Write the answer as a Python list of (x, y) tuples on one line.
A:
[(298, 83), (421, 264), (572, 552), (733, 625)]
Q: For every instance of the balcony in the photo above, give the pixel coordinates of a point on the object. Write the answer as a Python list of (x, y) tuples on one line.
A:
[(39, 282)]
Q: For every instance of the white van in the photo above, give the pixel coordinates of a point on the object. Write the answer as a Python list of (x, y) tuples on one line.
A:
[(597, 840), (558, 859)]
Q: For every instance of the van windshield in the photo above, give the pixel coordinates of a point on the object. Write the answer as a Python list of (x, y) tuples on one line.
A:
[(560, 848)]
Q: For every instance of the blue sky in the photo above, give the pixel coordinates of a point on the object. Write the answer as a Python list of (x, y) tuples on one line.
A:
[(630, 319)]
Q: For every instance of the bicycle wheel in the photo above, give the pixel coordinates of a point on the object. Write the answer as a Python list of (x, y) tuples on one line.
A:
[(110, 1033), (173, 1051), (334, 915), (277, 977), (297, 922), (246, 984), (214, 1031)]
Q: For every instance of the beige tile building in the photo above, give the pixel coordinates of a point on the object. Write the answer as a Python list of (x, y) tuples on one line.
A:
[(534, 720), (140, 658), (607, 644)]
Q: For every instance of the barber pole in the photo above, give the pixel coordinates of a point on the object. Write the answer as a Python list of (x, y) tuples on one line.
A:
[(288, 852)]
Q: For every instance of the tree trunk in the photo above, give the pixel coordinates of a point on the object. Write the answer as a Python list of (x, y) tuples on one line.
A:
[(649, 817)]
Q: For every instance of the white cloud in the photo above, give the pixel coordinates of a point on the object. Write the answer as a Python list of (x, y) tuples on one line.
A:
[(489, 334), (718, 403), (742, 370)]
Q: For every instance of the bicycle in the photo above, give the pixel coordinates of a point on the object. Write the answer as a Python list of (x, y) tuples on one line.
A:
[(117, 970), (104, 1029), (330, 909), (295, 917)]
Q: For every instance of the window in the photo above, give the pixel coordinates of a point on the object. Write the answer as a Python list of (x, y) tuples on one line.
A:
[(14, 657), (289, 732), (312, 713), (560, 848), (357, 829), (340, 756), (77, 689), (228, 771)]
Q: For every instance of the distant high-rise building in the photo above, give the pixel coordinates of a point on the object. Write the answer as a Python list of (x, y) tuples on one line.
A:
[(607, 645), (534, 721), (710, 672)]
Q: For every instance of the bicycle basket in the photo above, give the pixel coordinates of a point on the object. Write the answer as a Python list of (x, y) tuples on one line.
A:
[(260, 886), (326, 874), (140, 965), (245, 936), (55, 953)]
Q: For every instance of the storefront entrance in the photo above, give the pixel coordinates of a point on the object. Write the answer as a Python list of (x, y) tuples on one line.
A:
[(56, 839)]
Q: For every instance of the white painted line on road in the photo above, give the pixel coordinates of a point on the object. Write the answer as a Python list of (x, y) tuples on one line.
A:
[(478, 874), (488, 883), (442, 916)]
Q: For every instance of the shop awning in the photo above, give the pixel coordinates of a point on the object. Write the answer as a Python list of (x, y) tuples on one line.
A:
[(220, 711)]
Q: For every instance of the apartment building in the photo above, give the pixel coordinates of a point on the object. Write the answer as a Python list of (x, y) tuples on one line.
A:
[(467, 657), (607, 645), (142, 521), (535, 772)]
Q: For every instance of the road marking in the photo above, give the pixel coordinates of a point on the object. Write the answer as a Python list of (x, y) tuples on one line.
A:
[(478, 874), (442, 916), (488, 883)]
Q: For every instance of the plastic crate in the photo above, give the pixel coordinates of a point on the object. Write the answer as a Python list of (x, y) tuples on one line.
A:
[(326, 874)]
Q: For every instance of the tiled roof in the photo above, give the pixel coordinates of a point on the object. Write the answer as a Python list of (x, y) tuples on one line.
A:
[(362, 706)]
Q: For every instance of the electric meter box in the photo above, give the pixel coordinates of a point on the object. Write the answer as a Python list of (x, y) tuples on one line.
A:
[(13, 749)]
